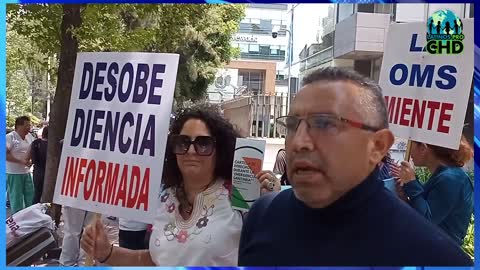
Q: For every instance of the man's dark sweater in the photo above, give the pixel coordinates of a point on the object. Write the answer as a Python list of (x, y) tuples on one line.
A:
[(368, 226)]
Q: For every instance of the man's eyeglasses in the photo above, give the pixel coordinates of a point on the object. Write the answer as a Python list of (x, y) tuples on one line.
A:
[(204, 145), (319, 124)]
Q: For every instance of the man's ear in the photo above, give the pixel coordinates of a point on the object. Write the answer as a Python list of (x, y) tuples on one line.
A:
[(382, 142)]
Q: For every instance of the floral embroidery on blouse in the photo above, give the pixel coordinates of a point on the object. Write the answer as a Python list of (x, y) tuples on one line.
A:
[(171, 208), (171, 231), (202, 222), (182, 236), (165, 197)]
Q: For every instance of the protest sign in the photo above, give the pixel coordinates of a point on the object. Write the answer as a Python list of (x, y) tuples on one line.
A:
[(426, 80), (114, 145), (247, 162)]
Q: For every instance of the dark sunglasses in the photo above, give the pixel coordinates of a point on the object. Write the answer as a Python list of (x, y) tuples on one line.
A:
[(204, 145)]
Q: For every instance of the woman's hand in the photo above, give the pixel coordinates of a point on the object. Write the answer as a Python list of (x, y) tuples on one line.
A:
[(407, 173), (268, 181), (95, 241), (401, 193)]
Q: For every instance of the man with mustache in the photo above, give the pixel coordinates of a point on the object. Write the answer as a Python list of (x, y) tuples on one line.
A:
[(338, 211)]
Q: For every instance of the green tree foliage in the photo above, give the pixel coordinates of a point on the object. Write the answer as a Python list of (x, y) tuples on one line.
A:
[(21, 77), (199, 33)]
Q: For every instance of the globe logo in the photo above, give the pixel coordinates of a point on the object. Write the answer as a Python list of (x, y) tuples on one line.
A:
[(444, 22), (444, 33)]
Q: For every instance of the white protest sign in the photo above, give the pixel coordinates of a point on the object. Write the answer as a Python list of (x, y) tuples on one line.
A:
[(426, 84), (114, 145), (247, 162)]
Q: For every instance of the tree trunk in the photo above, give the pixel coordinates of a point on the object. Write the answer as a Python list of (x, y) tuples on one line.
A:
[(68, 54)]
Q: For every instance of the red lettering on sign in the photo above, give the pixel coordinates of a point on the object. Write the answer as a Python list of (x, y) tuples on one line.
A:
[(97, 192), (111, 183), (88, 187), (444, 117), (433, 106), (122, 188), (423, 111), (144, 189), (101, 183), (418, 113), (80, 175), (72, 177), (133, 192), (399, 101), (405, 111)]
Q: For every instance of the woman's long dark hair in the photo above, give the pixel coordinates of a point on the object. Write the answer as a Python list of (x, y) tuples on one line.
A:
[(224, 133)]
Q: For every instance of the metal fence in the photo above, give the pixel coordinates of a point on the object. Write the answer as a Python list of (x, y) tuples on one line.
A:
[(255, 115)]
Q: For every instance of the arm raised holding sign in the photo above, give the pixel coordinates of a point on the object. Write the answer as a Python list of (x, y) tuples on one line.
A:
[(95, 243), (446, 199), (195, 222), (269, 182)]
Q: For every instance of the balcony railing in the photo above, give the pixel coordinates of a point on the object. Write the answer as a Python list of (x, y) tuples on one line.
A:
[(262, 56), (247, 28), (317, 59)]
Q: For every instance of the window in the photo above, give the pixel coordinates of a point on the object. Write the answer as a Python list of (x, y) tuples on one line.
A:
[(276, 22), (344, 11), (256, 29), (265, 49), (377, 66), (263, 52), (260, 26), (363, 67), (266, 26), (384, 8), (253, 80), (243, 47), (367, 8), (274, 49), (471, 11), (254, 48)]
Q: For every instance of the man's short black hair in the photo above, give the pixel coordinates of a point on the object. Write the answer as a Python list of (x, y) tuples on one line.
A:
[(20, 121), (371, 99)]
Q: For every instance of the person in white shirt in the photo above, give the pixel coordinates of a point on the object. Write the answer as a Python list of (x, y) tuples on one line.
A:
[(19, 179), (195, 224)]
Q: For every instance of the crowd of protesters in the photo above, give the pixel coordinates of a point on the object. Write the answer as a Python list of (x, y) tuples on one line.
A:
[(338, 210)]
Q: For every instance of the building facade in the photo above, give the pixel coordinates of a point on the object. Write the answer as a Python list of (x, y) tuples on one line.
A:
[(359, 32), (260, 66), (358, 36)]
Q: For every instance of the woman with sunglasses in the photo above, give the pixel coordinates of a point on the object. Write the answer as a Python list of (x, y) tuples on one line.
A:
[(195, 224)]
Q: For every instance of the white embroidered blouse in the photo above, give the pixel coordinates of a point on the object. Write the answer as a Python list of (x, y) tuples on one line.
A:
[(210, 237)]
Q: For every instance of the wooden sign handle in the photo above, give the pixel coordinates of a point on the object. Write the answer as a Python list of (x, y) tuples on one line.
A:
[(409, 150)]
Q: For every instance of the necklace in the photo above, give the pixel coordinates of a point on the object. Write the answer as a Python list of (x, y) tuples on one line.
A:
[(185, 205)]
